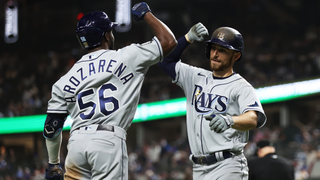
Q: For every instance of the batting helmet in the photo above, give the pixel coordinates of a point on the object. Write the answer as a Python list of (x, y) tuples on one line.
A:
[(226, 37), (92, 27)]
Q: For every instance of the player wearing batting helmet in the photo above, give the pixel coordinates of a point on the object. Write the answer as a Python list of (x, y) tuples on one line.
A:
[(100, 93), (92, 28), (221, 105)]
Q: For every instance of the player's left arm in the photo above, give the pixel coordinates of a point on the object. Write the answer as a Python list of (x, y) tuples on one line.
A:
[(245, 121), (221, 122), (169, 63), (252, 115), (250, 107), (197, 33), (52, 132)]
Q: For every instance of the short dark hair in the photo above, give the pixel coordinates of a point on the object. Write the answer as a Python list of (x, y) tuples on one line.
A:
[(263, 143)]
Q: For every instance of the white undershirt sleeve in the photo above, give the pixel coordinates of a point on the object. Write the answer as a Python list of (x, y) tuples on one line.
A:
[(53, 148)]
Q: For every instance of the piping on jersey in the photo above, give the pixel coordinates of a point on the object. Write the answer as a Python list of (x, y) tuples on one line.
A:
[(93, 58), (201, 137), (122, 163), (159, 49)]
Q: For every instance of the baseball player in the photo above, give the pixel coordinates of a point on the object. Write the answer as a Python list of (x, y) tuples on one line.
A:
[(221, 105), (101, 93)]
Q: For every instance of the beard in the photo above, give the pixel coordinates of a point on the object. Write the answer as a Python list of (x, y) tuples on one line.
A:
[(223, 65)]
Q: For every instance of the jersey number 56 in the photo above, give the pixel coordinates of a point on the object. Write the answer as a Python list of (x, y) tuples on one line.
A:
[(102, 101)]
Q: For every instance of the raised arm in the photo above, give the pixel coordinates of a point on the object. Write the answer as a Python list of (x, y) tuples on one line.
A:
[(169, 63), (141, 11), (197, 33)]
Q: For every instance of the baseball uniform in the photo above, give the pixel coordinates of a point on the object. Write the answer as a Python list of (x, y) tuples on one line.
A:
[(205, 95), (102, 88)]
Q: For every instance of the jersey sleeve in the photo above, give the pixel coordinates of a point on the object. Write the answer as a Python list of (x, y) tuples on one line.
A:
[(184, 73), (143, 55), (57, 104), (248, 100), (169, 63), (187, 76)]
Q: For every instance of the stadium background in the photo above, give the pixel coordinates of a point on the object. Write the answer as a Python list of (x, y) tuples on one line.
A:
[(281, 46)]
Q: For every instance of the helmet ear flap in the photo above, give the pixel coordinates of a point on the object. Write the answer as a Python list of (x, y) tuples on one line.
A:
[(83, 44), (207, 50)]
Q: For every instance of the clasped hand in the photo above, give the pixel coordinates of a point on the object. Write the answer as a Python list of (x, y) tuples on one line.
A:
[(197, 33)]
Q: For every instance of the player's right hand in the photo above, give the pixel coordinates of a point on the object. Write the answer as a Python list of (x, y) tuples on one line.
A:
[(197, 33), (219, 122), (54, 172), (139, 10)]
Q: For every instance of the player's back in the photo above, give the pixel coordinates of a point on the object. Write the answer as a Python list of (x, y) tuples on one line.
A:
[(103, 87), (98, 86)]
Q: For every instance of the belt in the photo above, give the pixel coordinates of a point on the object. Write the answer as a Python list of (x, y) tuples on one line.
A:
[(102, 127), (212, 158)]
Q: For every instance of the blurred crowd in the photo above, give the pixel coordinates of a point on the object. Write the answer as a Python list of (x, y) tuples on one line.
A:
[(277, 51), (26, 80), (163, 160)]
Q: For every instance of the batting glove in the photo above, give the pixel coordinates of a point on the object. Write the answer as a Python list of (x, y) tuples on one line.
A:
[(197, 33), (54, 172), (139, 10), (219, 122)]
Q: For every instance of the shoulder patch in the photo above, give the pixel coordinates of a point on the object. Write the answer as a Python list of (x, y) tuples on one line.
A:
[(254, 105)]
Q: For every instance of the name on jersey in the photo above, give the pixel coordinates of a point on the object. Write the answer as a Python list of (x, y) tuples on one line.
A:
[(101, 67), (206, 103)]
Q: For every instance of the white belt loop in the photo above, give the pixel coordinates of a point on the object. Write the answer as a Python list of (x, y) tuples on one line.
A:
[(219, 155), (190, 158), (119, 132)]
